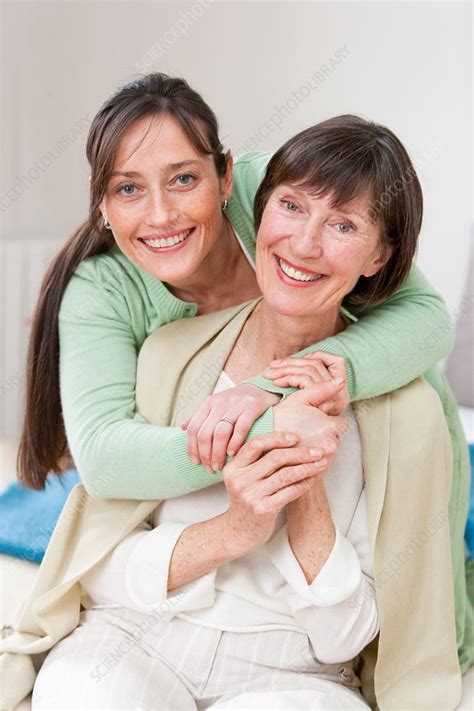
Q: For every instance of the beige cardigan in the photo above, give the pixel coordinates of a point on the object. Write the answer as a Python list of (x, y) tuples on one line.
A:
[(406, 454)]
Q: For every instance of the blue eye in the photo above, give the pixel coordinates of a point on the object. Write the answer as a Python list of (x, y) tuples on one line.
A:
[(127, 189), (185, 179), (344, 227), (290, 206)]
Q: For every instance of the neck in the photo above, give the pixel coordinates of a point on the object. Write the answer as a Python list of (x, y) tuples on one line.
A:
[(273, 335)]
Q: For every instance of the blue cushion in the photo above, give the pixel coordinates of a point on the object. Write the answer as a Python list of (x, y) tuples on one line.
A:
[(470, 516), (28, 517)]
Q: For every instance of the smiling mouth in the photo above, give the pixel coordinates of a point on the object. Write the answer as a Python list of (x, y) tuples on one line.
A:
[(297, 275), (167, 242)]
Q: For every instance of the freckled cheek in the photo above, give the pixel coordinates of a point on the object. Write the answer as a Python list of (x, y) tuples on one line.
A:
[(344, 260), (128, 219), (201, 204), (125, 218)]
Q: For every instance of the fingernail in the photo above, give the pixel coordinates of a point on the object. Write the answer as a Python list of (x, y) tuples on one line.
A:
[(274, 362), (230, 453), (315, 452), (291, 438), (215, 466), (194, 459), (339, 380), (320, 464)]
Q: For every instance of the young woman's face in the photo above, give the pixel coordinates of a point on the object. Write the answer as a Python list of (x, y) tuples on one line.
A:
[(163, 200), (310, 255)]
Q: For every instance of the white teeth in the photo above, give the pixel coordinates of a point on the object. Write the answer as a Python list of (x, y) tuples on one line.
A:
[(168, 242), (296, 274)]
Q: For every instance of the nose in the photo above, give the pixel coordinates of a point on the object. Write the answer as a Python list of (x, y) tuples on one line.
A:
[(160, 208), (307, 240)]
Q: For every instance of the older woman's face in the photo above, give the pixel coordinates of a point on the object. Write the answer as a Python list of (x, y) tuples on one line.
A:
[(310, 255), (163, 200)]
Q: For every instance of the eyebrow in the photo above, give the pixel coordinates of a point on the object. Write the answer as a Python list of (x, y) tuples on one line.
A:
[(170, 166), (345, 211), (352, 212)]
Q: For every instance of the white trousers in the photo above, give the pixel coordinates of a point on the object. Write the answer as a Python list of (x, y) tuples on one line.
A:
[(122, 659)]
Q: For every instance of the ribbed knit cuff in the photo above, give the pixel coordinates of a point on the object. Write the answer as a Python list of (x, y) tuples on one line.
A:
[(264, 384), (194, 476), (262, 425)]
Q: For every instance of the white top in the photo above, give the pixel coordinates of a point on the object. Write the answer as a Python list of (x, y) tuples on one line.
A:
[(266, 588)]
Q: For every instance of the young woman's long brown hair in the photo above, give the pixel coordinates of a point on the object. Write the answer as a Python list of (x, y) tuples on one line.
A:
[(43, 444)]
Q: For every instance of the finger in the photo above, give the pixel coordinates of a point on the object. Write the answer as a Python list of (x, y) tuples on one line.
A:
[(278, 500), (335, 363), (296, 381), (256, 447), (205, 437), (184, 426), (241, 430), (329, 407), (220, 444), (319, 393), (194, 425), (289, 475), (277, 459), (293, 360), (299, 366), (342, 424)]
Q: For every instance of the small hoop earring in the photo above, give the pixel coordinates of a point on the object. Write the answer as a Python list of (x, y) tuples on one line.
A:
[(224, 205), (107, 224)]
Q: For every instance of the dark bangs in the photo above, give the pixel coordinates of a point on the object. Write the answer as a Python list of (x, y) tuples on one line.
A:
[(344, 172), (347, 157)]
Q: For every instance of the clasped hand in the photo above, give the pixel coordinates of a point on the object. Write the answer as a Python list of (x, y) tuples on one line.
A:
[(221, 425)]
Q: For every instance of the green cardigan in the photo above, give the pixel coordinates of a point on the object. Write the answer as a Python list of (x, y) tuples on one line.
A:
[(109, 308)]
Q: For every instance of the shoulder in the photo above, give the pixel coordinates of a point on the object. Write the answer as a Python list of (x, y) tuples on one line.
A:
[(108, 294), (187, 335), (250, 168), (104, 281), (107, 267), (408, 415), (422, 399)]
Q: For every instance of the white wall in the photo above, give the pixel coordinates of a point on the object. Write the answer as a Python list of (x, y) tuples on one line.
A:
[(408, 65)]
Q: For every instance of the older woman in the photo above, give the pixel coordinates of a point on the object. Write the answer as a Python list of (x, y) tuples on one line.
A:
[(269, 576)]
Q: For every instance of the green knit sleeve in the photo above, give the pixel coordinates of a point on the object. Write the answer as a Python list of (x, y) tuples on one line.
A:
[(249, 171), (391, 344), (118, 455)]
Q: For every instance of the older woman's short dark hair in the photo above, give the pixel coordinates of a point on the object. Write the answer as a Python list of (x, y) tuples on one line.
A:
[(346, 157)]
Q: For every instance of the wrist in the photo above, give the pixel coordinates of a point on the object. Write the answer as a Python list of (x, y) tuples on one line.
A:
[(309, 511), (265, 396), (235, 542)]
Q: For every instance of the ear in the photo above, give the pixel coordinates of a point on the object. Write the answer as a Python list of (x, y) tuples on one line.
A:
[(103, 209), (228, 179), (379, 261)]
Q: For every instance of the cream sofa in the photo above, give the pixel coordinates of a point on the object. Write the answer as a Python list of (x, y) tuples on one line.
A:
[(17, 576)]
